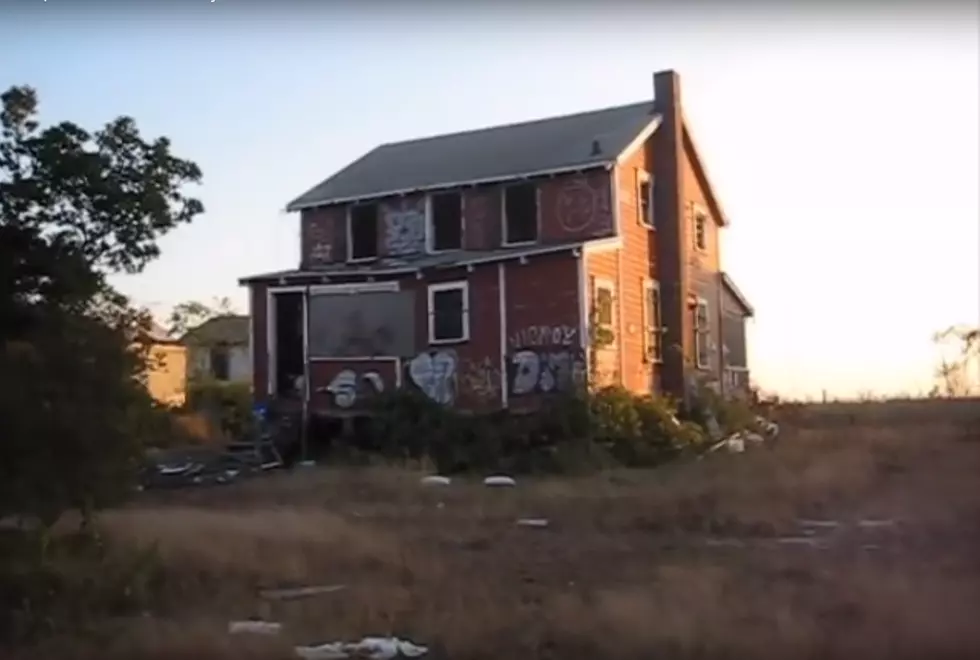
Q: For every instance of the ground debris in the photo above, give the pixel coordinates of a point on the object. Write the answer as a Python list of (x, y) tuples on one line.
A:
[(372, 648)]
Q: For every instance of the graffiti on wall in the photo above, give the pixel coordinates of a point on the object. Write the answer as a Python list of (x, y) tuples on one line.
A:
[(347, 386), (544, 335), (404, 230), (583, 206), (321, 252), (434, 372), (480, 379), (545, 371)]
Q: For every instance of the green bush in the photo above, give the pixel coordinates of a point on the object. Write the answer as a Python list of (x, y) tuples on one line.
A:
[(230, 404), (567, 434)]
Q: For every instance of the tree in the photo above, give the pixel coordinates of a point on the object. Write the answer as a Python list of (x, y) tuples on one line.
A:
[(187, 315), (954, 373), (75, 206)]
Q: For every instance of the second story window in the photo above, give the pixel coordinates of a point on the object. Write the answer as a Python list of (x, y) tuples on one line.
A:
[(362, 232), (644, 198), (700, 228), (520, 214), (445, 222)]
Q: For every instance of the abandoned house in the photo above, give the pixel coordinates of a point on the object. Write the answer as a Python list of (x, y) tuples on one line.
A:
[(218, 349), (491, 267)]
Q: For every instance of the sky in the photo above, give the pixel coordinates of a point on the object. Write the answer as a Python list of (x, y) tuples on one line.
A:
[(843, 142)]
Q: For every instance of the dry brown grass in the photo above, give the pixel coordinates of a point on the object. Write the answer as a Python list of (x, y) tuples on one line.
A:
[(623, 571)]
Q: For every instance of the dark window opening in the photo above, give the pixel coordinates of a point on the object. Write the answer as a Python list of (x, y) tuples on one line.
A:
[(447, 221), (364, 231), (288, 358), (448, 314), (219, 361), (521, 213), (645, 201)]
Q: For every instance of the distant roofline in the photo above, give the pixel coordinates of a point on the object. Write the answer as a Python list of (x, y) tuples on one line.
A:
[(739, 296), (581, 167)]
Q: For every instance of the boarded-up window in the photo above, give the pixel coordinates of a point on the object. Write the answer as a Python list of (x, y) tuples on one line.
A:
[(701, 334), (521, 213), (700, 229), (363, 231), (604, 304), (446, 230)]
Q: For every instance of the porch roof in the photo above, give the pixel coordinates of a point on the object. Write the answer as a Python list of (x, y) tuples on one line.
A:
[(408, 265)]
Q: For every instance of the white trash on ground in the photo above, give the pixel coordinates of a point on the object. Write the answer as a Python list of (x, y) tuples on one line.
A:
[(255, 627), (499, 480), (532, 522), (435, 480), (373, 648)]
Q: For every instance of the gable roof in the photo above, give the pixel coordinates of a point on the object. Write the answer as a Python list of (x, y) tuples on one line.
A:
[(228, 329), (499, 153)]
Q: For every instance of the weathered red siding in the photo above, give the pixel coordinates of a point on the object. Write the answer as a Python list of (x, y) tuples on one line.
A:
[(323, 236)]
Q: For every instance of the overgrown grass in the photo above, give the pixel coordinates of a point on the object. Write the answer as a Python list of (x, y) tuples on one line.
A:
[(624, 569)]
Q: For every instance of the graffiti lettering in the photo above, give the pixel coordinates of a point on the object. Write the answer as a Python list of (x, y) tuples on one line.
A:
[(435, 374), (544, 335), (545, 371), (344, 386), (581, 206), (321, 252)]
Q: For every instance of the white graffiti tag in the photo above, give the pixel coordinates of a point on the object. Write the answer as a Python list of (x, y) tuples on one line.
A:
[(343, 387), (435, 374), (544, 372), (544, 335)]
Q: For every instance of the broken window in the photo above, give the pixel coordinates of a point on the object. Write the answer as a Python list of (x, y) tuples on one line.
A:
[(520, 214), (700, 229), (449, 312), (219, 360), (701, 334), (362, 232), (653, 324), (644, 198), (446, 228)]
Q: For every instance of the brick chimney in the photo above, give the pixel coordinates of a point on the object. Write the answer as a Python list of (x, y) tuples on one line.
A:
[(672, 231)]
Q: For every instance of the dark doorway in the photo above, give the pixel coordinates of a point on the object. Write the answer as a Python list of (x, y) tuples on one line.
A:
[(289, 367)]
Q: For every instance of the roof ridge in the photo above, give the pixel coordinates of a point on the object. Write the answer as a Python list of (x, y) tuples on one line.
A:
[(514, 124)]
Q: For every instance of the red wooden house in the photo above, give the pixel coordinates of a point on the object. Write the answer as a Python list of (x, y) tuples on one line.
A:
[(476, 266)]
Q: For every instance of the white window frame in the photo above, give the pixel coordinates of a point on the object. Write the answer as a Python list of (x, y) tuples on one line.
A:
[(503, 214), (350, 234), (459, 285), (642, 177), (648, 330), (430, 231), (610, 286), (701, 219), (701, 358)]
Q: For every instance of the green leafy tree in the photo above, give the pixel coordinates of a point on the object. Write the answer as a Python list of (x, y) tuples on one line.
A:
[(75, 206), (191, 313)]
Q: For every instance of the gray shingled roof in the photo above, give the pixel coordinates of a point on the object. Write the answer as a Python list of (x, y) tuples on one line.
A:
[(488, 154)]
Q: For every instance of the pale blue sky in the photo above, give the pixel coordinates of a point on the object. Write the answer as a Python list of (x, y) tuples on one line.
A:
[(843, 145)]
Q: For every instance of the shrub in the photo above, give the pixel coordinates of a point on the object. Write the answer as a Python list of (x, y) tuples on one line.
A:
[(567, 433), (229, 404)]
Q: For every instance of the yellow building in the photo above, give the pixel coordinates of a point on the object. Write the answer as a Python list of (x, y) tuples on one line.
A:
[(166, 374)]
